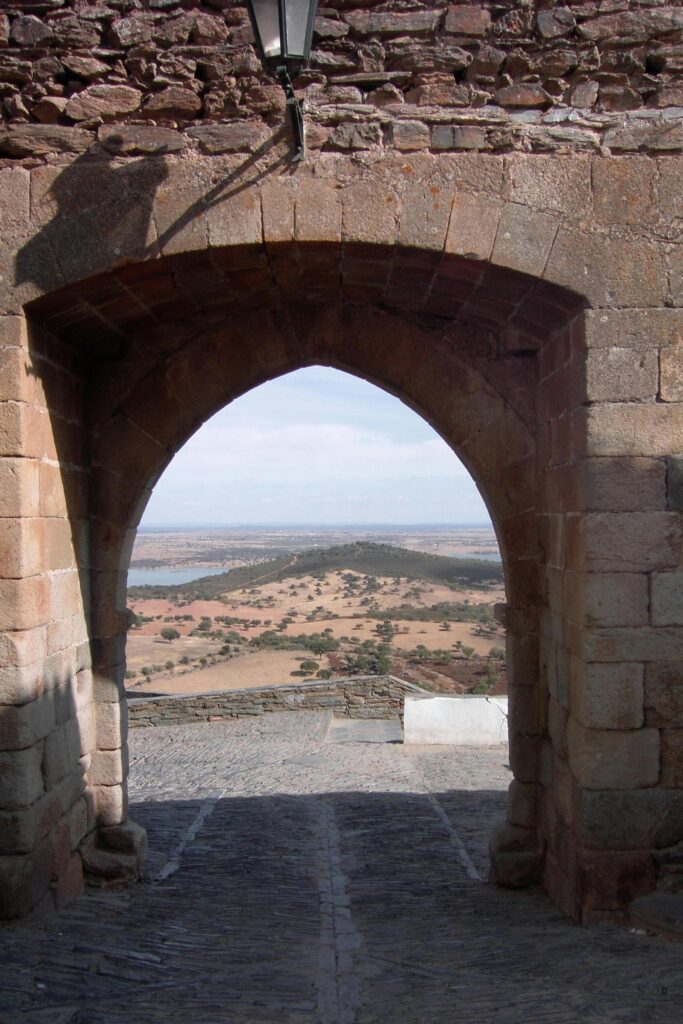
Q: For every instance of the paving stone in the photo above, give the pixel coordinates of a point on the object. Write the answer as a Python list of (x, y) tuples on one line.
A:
[(296, 879)]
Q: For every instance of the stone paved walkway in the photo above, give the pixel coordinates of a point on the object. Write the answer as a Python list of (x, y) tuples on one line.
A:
[(304, 873)]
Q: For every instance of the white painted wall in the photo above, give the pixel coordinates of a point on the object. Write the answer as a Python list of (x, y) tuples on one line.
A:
[(465, 720)]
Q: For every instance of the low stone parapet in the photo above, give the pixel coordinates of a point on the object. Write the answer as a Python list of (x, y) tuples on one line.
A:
[(359, 697)]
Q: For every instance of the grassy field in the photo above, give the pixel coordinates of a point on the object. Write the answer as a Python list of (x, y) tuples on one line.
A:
[(285, 625)]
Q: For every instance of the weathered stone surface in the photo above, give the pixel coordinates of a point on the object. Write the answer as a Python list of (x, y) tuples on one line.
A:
[(132, 31), (611, 759), (615, 375), (609, 697), (639, 819), (523, 96), (410, 135), (105, 101), (667, 599), (615, 599), (21, 778), (664, 693), (555, 22), (239, 137), (632, 26), (114, 854), (28, 30), (21, 140), (392, 23), (468, 21), (173, 102), (672, 758), (610, 881), (140, 140)]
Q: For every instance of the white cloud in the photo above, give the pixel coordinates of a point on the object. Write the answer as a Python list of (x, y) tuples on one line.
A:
[(282, 453)]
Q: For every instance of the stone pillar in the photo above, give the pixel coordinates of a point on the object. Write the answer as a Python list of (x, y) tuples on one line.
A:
[(614, 632), (46, 725)]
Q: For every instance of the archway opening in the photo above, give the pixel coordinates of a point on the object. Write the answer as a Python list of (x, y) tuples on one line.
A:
[(314, 529), (464, 347)]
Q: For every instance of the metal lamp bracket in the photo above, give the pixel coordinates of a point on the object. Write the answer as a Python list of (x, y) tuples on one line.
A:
[(295, 114)]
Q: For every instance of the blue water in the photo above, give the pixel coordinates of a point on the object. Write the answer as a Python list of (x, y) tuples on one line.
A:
[(167, 577)]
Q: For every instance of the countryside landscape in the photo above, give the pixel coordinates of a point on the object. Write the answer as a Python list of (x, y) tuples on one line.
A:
[(254, 608)]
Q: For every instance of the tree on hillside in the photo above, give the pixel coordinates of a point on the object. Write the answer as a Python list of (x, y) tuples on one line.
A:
[(169, 634)]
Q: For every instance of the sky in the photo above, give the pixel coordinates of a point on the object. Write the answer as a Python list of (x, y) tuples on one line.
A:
[(315, 447)]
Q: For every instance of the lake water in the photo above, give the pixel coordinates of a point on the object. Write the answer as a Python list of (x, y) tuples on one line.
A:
[(168, 577)]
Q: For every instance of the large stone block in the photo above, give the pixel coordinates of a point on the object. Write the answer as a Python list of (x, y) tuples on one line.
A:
[(609, 696), (425, 215), (620, 375), (625, 274), (524, 239), (318, 212), (523, 801), (611, 880), (631, 429), (611, 759), (473, 225), (612, 599), (369, 213), (667, 599), (24, 879), (235, 219), (623, 190), (108, 767), (641, 643), (671, 375), (550, 183), (19, 490), (672, 758), (21, 830), (112, 725), (632, 328), (62, 752), (21, 778), (639, 819), (664, 693), (21, 648), (21, 684), (277, 205), (633, 542), (623, 484), (22, 726), (111, 804), (22, 548)]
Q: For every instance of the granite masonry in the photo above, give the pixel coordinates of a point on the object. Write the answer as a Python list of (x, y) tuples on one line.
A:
[(488, 225)]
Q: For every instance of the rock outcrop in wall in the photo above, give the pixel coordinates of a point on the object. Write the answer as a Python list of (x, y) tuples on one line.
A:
[(160, 76)]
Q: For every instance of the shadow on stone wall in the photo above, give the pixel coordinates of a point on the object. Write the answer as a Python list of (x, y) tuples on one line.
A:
[(100, 212)]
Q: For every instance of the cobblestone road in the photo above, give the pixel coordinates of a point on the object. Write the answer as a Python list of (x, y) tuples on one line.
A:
[(303, 871)]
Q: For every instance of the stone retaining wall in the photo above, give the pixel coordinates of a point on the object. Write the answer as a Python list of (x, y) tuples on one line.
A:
[(143, 77), (362, 697)]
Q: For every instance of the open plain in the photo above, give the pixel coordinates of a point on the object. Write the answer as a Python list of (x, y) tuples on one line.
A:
[(304, 870)]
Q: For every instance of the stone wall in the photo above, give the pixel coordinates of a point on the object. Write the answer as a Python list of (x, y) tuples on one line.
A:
[(161, 76), (362, 697), (526, 300)]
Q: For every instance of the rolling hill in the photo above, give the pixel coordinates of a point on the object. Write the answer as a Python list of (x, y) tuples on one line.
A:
[(363, 557)]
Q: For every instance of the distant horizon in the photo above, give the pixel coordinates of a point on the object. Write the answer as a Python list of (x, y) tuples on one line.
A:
[(318, 527)]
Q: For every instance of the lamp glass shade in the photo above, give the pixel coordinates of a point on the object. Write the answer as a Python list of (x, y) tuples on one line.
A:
[(298, 27), (266, 16), (284, 28)]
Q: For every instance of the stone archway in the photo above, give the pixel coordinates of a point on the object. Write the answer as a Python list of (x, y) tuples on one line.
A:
[(467, 308)]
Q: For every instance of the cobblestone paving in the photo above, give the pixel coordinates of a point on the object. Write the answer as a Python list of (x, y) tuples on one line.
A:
[(299, 875)]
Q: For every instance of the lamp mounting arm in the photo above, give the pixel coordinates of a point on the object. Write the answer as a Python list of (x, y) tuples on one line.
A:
[(295, 115)]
